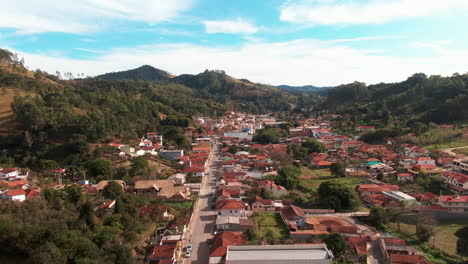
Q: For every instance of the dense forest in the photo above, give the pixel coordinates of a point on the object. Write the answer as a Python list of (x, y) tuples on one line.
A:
[(427, 99), (217, 86)]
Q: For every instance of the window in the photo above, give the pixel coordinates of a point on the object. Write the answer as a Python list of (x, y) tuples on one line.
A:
[(230, 211)]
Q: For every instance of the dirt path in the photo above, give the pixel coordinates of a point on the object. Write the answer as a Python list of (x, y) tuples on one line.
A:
[(450, 150)]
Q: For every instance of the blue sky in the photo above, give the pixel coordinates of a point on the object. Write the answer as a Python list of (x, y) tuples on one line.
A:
[(296, 42)]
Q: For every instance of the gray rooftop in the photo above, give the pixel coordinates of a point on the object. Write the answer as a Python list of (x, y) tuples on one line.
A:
[(279, 254)]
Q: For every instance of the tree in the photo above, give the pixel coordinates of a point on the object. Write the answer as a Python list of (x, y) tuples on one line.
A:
[(336, 243), (380, 176), (139, 166), (338, 169), (462, 242), (313, 145), (377, 216), (334, 195), (288, 176), (425, 228), (119, 206), (74, 193), (113, 190), (47, 253), (267, 135), (100, 168)]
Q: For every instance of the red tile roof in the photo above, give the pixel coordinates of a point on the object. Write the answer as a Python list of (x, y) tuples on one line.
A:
[(230, 204), (223, 240), (16, 192), (163, 252), (290, 211)]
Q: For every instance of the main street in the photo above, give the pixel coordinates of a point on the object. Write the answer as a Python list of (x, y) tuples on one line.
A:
[(203, 217)]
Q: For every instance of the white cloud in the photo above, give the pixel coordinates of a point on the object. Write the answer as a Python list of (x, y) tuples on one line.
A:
[(237, 26), (80, 16), (330, 12), (298, 62), (429, 44)]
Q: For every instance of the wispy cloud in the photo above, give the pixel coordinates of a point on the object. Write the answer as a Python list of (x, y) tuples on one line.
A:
[(88, 50), (238, 26), (297, 62), (81, 16), (429, 44), (337, 12)]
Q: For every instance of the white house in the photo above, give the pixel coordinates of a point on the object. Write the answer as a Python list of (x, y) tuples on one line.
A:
[(423, 161), (146, 143), (18, 195), (231, 208), (178, 178)]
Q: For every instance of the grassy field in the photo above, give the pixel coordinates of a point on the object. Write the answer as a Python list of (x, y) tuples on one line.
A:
[(453, 144), (7, 121), (268, 224), (312, 178), (463, 151), (445, 239)]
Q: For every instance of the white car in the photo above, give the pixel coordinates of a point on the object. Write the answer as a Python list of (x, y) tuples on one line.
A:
[(187, 254), (189, 248)]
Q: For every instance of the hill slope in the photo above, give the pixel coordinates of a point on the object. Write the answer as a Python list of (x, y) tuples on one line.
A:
[(217, 86), (435, 98)]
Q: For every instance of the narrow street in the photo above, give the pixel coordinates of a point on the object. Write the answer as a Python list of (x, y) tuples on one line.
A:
[(203, 221)]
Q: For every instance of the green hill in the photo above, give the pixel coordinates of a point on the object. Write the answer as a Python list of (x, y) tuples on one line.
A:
[(216, 86), (428, 99)]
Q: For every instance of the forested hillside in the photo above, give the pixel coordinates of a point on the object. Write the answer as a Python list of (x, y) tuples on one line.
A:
[(44, 117), (217, 86), (428, 99)]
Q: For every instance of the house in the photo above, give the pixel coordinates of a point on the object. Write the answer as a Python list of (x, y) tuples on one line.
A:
[(276, 190), (423, 161), (168, 253), (102, 184), (11, 174), (231, 207), (365, 128), (293, 217), (458, 182), (279, 254), (228, 223), (178, 178), (171, 154), (458, 164), (195, 171), (154, 137), (164, 189), (265, 205), (107, 207), (18, 195), (221, 242), (405, 177), (425, 168), (57, 172), (454, 203), (145, 143), (407, 259)]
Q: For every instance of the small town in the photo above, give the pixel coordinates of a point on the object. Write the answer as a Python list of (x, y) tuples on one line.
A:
[(259, 189)]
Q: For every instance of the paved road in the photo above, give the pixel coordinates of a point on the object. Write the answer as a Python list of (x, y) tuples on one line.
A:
[(450, 150), (203, 221)]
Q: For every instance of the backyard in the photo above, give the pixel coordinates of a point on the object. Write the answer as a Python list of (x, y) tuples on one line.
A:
[(445, 239), (268, 227)]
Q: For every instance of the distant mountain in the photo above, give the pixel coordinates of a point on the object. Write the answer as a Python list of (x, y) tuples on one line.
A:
[(239, 94), (145, 73), (305, 88)]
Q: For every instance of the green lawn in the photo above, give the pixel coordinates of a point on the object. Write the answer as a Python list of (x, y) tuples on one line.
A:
[(268, 224), (445, 239)]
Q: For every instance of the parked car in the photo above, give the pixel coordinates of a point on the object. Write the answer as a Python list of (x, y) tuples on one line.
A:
[(187, 254), (189, 247)]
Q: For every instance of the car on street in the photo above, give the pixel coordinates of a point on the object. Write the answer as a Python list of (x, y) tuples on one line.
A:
[(187, 254), (189, 248)]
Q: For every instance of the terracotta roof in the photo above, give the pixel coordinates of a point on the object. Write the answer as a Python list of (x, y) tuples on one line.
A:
[(230, 204), (394, 241), (358, 243), (14, 184), (163, 252), (290, 211), (223, 240), (9, 170), (407, 259), (16, 192), (453, 198)]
